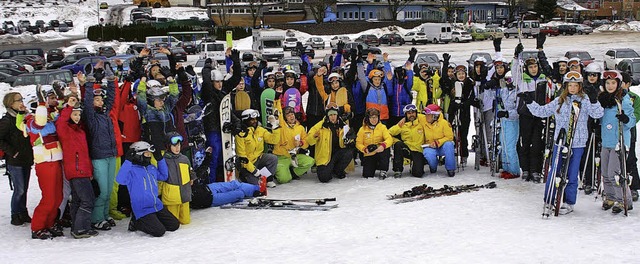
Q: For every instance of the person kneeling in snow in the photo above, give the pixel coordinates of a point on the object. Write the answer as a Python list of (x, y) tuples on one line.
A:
[(438, 141), (141, 179)]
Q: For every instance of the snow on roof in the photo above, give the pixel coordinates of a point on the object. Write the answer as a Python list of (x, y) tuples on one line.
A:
[(570, 5)]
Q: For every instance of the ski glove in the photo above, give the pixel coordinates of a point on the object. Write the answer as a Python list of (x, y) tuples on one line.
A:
[(165, 71), (235, 56), (275, 123), (446, 57), (190, 70), (502, 114), (412, 55), (623, 118), (593, 96), (526, 98), (182, 75), (519, 49), (98, 74), (496, 44), (339, 47), (372, 148), (157, 154), (540, 40)]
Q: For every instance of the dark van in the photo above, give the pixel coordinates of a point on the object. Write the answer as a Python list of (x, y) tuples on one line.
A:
[(6, 54)]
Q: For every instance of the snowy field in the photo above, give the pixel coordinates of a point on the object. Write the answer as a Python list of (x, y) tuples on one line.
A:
[(501, 225)]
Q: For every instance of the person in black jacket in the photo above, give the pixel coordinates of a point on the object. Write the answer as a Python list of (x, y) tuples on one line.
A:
[(460, 108), (18, 155), (213, 90)]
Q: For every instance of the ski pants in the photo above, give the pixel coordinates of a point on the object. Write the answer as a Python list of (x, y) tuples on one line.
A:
[(487, 118), (156, 224), (401, 152), (283, 172), (123, 192), (531, 144), (214, 140), (181, 212), (50, 180), (447, 150), (113, 201), (509, 142), (610, 162), (267, 160), (339, 161), (632, 161), (66, 193), (311, 121), (571, 190), (378, 161), (230, 192), (20, 177), (104, 172), (81, 204)]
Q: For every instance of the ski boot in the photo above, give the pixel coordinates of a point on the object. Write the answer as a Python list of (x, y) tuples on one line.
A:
[(634, 195), (451, 173), (607, 204), (41, 234), (16, 220), (56, 230), (587, 189), (536, 177), (526, 175), (383, 175), (566, 209), (25, 217), (111, 221)]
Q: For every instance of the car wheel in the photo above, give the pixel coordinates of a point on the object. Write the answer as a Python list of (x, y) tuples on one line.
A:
[(564, 33), (456, 40), (506, 35), (490, 37), (413, 41), (435, 41)]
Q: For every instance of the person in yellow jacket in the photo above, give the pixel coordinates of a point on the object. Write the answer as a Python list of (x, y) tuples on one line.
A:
[(374, 141), (176, 190), (250, 149), (411, 131), (333, 150), (427, 84), (292, 161), (438, 140)]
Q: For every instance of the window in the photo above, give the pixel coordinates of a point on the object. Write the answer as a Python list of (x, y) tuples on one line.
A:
[(357, 15), (362, 15), (344, 14), (350, 15), (370, 15)]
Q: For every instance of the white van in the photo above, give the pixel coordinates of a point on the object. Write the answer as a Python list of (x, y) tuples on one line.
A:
[(214, 50), (530, 28), (170, 41), (437, 32)]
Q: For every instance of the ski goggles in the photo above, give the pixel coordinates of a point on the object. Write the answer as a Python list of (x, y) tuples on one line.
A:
[(99, 92), (151, 149), (161, 97), (461, 68), (376, 73), (573, 76), (531, 61), (499, 63), (175, 140), (250, 114), (409, 108), (573, 63), (593, 74), (423, 66), (606, 75)]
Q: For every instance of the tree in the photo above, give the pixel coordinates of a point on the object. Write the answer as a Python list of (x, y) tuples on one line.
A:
[(318, 7), (513, 8), (545, 9), (449, 7), (255, 7), (395, 6), (223, 14)]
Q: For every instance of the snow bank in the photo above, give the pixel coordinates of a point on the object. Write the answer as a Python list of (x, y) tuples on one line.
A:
[(621, 26)]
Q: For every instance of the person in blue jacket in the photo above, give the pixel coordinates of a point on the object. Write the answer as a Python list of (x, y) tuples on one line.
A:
[(610, 131), (398, 86), (141, 179)]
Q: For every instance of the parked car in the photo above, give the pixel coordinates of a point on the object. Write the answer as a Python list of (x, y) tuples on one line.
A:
[(69, 23), (597, 23), (529, 54), (106, 51), (78, 66), (415, 37), (366, 49), (33, 29), (567, 29), (631, 66), (135, 49), (5, 54), (35, 61), (369, 39), (41, 24), (179, 54), (24, 23), (307, 49), (430, 59), (475, 55), (126, 62), (54, 23), (584, 29), (7, 78), (43, 77), (550, 30), (476, 33), (14, 65), (104, 5), (493, 33), (584, 56), (63, 28), (69, 59), (13, 71), (80, 49), (613, 56), (334, 41), (289, 43), (528, 28), (315, 42), (294, 62), (391, 38), (460, 36)]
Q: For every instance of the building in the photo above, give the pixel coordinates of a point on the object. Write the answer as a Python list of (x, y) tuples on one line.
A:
[(263, 12)]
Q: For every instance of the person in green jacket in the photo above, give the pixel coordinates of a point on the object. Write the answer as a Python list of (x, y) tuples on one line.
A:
[(632, 160)]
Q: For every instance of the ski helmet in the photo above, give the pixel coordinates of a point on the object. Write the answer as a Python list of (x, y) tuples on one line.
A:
[(572, 76), (593, 68), (432, 109), (461, 68), (288, 110), (249, 114), (290, 73), (376, 73), (480, 61), (606, 75), (408, 108), (530, 61), (334, 75), (502, 62), (137, 150), (174, 138), (47, 90), (332, 108), (217, 76), (574, 61), (59, 85), (563, 59)]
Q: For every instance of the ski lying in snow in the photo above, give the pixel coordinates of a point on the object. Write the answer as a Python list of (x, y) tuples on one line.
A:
[(318, 201), (445, 191), (414, 191), (277, 205)]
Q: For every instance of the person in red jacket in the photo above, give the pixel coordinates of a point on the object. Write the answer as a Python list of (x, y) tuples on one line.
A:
[(77, 167)]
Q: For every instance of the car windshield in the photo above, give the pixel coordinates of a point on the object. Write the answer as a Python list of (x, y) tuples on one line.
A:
[(428, 58), (291, 61), (580, 55), (635, 67), (200, 63), (215, 47), (272, 44), (291, 40), (627, 54)]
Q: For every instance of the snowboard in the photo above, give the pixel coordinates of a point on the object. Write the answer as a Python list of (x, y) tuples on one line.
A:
[(267, 103), (195, 133), (293, 99), (242, 101), (228, 146)]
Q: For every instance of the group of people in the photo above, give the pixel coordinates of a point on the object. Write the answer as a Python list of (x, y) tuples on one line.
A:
[(116, 144)]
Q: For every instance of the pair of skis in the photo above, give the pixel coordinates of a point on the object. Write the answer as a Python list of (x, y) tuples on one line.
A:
[(549, 125), (456, 125), (622, 176), (264, 203), (480, 139), (423, 192)]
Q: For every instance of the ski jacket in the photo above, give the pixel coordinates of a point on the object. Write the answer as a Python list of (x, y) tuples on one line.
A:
[(587, 109), (158, 122), (464, 107), (16, 146), (186, 95), (287, 138), (533, 86), (411, 133), (609, 124), (510, 101), (213, 97), (355, 84), (428, 90), (142, 183), (250, 144), (102, 141), (635, 101), (41, 129), (376, 97), (177, 188), (438, 132), (76, 160), (399, 95), (129, 117), (322, 138), (329, 95), (379, 135), (315, 103)]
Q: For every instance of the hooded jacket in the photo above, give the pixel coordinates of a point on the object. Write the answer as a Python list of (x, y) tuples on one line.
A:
[(142, 183), (76, 160), (158, 122), (14, 143), (250, 144), (379, 135), (439, 132), (323, 141), (177, 188), (102, 141), (411, 133)]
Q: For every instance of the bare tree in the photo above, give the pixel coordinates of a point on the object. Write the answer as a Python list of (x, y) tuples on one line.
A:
[(318, 8), (395, 6), (449, 7), (223, 14), (256, 9), (513, 9)]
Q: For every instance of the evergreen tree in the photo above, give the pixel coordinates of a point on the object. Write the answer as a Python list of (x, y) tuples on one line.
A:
[(546, 9)]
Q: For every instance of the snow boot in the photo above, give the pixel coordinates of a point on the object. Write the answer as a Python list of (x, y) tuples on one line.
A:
[(84, 234), (397, 174), (566, 208), (617, 208), (16, 220), (103, 225), (506, 175), (294, 176), (41, 234), (451, 173), (383, 175), (25, 217), (607, 204), (132, 225), (434, 170), (111, 221), (56, 230), (536, 177), (526, 176), (587, 189), (634, 195)]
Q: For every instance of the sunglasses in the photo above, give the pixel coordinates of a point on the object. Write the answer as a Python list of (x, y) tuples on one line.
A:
[(610, 75), (175, 140), (593, 74)]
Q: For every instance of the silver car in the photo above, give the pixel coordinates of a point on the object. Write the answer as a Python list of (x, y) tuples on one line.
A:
[(315, 42)]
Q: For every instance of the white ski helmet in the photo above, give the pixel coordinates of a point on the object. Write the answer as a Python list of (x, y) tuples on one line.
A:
[(480, 59), (563, 59), (334, 75), (593, 68), (216, 76), (141, 146), (250, 113)]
